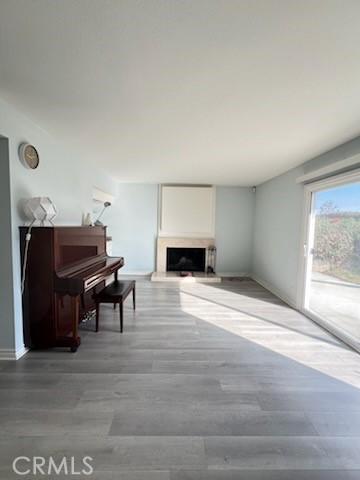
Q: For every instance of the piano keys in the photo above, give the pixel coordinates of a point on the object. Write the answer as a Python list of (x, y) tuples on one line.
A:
[(65, 267)]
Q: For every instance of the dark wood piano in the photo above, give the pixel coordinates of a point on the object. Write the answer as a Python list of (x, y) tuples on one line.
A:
[(65, 267)]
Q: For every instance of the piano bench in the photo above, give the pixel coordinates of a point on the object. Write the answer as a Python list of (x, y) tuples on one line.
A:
[(115, 292)]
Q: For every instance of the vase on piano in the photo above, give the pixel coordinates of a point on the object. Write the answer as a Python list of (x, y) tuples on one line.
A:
[(87, 220)]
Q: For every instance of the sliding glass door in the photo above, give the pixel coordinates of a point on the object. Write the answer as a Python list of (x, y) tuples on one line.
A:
[(332, 255)]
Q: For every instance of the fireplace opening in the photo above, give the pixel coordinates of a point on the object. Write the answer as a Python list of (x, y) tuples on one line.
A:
[(185, 259)]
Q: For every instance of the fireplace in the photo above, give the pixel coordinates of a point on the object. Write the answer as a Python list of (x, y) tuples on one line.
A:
[(185, 259), (174, 254)]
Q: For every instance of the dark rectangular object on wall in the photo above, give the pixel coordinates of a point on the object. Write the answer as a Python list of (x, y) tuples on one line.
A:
[(185, 259), (65, 266)]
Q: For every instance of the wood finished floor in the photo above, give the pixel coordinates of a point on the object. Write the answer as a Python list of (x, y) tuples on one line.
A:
[(215, 382)]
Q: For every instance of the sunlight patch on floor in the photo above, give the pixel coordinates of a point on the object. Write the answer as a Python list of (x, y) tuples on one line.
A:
[(259, 321)]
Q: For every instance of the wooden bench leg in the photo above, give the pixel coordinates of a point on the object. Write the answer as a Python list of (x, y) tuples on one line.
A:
[(97, 317), (121, 315), (134, 299)]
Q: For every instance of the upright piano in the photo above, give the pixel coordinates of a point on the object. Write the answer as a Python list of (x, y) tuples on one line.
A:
[(65, 267)]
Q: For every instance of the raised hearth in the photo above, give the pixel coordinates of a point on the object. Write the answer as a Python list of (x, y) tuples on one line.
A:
[(196, 277)]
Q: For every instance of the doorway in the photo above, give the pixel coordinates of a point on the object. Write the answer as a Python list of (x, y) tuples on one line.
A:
[(331, 279)]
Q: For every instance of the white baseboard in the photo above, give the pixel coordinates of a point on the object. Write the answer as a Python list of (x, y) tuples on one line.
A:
[(20, 352), (137, 273), (274, 290), (12, 354), (7, 354), (233, 274)]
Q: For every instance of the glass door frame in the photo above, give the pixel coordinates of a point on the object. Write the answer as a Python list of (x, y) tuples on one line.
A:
[(306, 249)]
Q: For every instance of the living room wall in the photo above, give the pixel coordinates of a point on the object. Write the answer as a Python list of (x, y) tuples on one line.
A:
[(7, 337), (234, 229), (132, 224), (277, 227)]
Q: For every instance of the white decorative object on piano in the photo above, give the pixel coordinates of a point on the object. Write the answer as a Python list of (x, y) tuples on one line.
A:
[(41, 209), (87, 220)]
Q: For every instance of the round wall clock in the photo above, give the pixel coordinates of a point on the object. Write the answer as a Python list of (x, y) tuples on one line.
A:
[(29, 155)]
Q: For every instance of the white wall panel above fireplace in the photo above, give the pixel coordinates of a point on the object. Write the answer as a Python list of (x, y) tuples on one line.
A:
[(187, 211)]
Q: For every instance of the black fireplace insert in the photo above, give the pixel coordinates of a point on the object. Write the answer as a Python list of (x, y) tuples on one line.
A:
[(185, 259)]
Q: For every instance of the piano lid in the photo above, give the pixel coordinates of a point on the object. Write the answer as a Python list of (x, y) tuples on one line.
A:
[(79, 278), (87, 267)]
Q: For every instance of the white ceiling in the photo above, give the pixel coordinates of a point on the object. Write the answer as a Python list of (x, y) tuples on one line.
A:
[(194, 91)]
